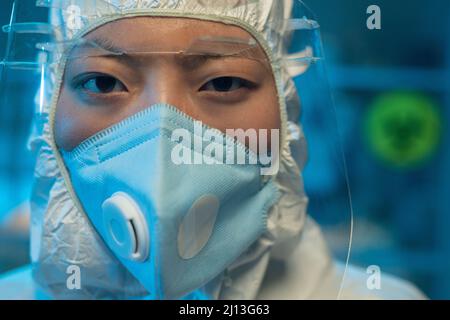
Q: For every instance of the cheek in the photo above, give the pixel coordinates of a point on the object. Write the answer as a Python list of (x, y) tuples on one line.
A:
[(66, 124), (267, 116), (262, 112), (75, 123), (267, 112)]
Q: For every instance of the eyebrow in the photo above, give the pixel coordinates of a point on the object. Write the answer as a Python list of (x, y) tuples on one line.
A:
[(192, 62), (100, 43), (116, 52), (107, 44)]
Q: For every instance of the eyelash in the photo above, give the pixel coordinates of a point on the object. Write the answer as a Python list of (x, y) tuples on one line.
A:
[(235, 81), (84, 80), (235, 85)]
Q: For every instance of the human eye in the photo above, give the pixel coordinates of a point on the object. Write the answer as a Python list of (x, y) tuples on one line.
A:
[(223, 85), (99, 84)]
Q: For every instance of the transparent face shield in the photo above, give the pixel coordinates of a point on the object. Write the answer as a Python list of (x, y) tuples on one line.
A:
[(35, 51), (325, 173), (25, 64)]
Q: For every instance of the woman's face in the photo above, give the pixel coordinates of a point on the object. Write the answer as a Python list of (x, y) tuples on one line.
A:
[(222, 92)]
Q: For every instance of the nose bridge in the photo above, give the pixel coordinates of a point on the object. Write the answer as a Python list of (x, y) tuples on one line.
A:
[(164, 83)]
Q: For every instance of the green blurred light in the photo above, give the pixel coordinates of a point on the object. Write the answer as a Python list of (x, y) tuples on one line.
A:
[(403, 129)]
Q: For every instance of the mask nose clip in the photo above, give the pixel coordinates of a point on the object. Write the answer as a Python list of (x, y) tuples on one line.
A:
[(126, 229)]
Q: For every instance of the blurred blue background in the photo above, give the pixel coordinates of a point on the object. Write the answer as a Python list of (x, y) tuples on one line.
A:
[(392, 98)]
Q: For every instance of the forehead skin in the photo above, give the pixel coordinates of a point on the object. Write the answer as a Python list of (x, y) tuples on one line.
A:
[(74, 124), (139, 32)]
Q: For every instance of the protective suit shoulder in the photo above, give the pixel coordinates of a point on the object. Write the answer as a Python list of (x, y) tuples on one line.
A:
[(19, 285), (391, 288), (308, 271)]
